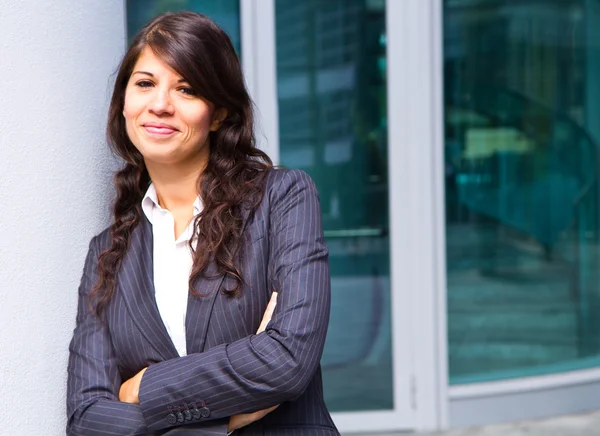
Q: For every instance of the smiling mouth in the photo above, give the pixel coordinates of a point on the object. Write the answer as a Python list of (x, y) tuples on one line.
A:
[(159, 129)]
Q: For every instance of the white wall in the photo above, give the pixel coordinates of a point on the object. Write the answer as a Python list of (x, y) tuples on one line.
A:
[(56, 65)]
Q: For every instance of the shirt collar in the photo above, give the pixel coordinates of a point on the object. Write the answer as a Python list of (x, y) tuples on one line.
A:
[(150, 203)]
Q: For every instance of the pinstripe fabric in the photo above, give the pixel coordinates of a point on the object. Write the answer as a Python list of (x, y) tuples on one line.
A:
[(228, 369)]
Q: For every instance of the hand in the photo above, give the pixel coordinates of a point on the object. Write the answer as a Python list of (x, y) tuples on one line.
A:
[(268, 313), (242, 420), (130, 390)]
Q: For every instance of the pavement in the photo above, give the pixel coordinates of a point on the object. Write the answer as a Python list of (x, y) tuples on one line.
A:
[(572, 425)]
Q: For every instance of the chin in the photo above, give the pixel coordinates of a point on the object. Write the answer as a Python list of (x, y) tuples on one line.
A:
[(169, 156), (162, 159), (158, 154)]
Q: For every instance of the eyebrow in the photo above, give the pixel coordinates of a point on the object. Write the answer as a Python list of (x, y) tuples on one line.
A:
[(152, 75)]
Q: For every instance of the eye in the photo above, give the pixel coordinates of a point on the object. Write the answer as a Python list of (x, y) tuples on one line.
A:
[(188, 91), (144, 84)]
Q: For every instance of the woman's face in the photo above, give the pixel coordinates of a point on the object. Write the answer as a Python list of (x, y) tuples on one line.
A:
[(165, 119)]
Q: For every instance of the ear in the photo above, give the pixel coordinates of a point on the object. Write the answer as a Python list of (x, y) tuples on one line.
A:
[(218, 116)]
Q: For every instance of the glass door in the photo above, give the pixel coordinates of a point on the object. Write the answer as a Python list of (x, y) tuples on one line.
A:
[(331, 87), (320, 74)]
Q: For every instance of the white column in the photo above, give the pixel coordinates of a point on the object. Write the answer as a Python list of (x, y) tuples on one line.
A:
[(56, 61)]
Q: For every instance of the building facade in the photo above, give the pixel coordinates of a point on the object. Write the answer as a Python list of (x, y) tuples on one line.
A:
[(455, 146)]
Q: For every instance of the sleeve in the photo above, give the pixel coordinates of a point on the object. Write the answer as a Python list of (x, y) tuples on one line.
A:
[(277, 365), (93, 406)]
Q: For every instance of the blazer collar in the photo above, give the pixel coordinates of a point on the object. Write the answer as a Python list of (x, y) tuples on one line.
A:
[(200, 309), (136, 283)]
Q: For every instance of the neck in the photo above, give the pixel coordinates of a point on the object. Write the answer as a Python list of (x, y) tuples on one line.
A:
[(176, 185)]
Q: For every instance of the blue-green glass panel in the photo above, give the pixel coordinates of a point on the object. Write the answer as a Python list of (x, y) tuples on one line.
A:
[(522, 132), (226, 13), (331, 84)]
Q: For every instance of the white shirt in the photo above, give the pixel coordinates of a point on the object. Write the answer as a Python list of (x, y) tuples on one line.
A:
[(172, 267)]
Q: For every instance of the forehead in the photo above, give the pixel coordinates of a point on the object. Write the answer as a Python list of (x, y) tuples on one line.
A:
[(148, 62)]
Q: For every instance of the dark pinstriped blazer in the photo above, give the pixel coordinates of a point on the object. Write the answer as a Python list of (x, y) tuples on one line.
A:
[(228, 369)]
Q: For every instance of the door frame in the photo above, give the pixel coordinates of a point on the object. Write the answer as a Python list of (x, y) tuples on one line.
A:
[(416, 200), (416, 168)]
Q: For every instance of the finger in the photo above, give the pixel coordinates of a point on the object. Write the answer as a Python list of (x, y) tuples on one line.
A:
[(271, 306), (244, 419), (124, 393), (262, 413), (268, 313), (239, 421), (270, 409), (270, 309)]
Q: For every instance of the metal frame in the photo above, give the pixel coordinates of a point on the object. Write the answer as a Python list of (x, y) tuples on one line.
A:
[(524, 398), (417, 197), (259, 63)]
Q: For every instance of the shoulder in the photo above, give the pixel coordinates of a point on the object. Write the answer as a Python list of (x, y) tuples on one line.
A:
[(101, 241), (289, 193), (283, 182)]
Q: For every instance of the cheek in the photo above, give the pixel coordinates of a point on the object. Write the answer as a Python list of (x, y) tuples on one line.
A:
[(130, 110), (199, 118), (130, 117), (133, 105), (130, 113), (130, 130)]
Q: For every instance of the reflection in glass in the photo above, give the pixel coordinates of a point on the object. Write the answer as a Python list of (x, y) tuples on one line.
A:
[(522, 128), (226, 13), (332, 119)]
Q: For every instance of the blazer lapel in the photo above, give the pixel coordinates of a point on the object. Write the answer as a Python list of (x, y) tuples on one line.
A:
[(200, 309), (136, 283)]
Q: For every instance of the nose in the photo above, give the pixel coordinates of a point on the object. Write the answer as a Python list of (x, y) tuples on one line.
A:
[(161, 102)]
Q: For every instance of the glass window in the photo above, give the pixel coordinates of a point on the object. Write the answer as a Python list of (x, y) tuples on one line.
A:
[(331, 84), (522, 131), (226, 13)]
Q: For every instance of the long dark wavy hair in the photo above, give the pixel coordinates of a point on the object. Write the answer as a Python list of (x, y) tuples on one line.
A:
[(233, 180)]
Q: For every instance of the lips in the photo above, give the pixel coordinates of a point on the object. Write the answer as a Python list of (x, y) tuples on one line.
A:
[(159, 128)]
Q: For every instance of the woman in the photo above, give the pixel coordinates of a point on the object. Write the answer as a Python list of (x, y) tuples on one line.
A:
[(204, 231)]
